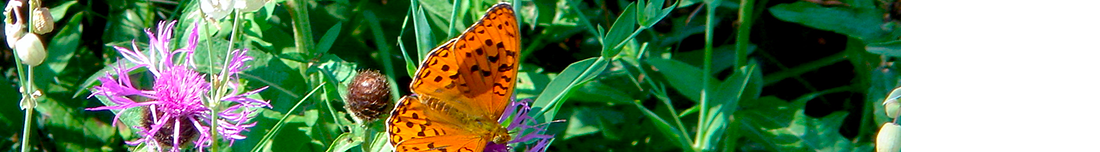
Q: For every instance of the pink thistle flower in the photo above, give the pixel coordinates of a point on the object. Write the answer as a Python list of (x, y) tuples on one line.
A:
[(175, 112), (526, 127)]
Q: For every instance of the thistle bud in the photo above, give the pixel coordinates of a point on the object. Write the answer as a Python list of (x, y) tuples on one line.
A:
[(43, 20), (30, 50), (368, 96)]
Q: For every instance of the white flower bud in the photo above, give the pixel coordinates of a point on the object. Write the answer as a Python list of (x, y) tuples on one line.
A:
[(13, 23), (893, 109), (892, 103), (889, 138), (250, 5), (43, 20), (30, 50), (216, 9)]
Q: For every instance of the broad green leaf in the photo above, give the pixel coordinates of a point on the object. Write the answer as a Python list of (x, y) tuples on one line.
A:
[(782, 126), (58, 12), (549, 101), (580, 124), (59, 54), (682, 77), (590, 120), (611, 87), (864, 23)]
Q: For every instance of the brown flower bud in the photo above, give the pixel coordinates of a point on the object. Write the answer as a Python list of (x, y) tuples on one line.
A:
[(43, 20)]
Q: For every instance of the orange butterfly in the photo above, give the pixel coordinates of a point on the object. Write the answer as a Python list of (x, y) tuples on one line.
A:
[(461, 89)]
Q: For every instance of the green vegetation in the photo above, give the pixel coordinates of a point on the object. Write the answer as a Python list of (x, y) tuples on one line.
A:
[(649, 75)]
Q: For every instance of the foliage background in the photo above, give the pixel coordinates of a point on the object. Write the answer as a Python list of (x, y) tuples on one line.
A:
[(624, 75)]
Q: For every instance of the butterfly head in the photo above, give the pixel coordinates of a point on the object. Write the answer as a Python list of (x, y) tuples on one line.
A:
[(500, 136)]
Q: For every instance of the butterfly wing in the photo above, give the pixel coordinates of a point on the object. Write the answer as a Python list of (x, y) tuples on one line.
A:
[(476, 69), (414, 126)]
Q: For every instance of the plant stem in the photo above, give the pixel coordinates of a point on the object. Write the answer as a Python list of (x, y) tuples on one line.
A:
[(26, 129), (708, 51), (28, 102)]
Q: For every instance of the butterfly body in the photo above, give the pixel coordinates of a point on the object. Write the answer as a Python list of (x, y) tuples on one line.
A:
[(461, 90)]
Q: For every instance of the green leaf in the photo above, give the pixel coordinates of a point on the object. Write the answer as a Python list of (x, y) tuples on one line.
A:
[(330, 37), (729, 94), (652, 12), (876, 80), (581, 124), (549, 101), (620, 32), (864, 23), (64, 44), (343, 142), (891, 48), (425, 41), (667, 129), (612, 87), (782, 126), (58, 12), (682, 77)]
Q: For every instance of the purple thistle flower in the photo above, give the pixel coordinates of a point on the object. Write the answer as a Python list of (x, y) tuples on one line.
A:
[(175, 111), (522, 124)]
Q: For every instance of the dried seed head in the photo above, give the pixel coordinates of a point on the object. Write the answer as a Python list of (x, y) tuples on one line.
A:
[(43, 20), (368, 96)]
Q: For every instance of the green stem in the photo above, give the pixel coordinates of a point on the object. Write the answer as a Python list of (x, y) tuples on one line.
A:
[(29, 102), (282, 121), (303, 34), (636, 32), (708, 51), (26, 129), (744, 15)]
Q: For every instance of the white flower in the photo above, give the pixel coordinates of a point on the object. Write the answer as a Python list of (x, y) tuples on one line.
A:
[(13, 29), (250, 5), (30, 50), (216, 9)]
